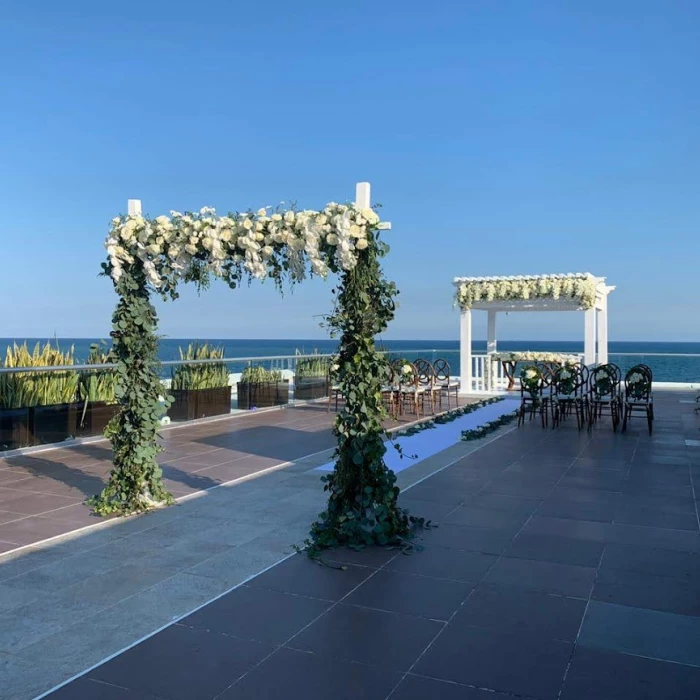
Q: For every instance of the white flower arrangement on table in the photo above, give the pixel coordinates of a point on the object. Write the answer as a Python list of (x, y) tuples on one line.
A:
[(580, 287), (530, 356), (257, 244)]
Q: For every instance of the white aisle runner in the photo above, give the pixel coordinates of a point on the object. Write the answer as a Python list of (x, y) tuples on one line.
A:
[(431, 441)]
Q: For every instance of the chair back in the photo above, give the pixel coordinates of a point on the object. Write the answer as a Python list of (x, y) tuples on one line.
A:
[(532, 382), (604, 381), (424, 370), (441, 370), (638, 384), (567, 381), (583, 372), (405, 373)]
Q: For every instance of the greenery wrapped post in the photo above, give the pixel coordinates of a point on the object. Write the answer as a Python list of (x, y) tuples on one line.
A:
[(135, 482), (362, 506)]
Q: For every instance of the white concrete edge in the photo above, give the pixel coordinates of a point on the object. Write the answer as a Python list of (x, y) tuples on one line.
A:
[(498, 434)]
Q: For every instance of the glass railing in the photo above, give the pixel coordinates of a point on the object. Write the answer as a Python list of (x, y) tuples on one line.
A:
[(47, 405)]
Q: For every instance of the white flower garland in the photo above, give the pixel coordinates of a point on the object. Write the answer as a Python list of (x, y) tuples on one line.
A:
[(580, 287), (261, 244), (529, 356)]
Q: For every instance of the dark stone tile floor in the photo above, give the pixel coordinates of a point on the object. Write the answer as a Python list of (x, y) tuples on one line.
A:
[(571, 571)]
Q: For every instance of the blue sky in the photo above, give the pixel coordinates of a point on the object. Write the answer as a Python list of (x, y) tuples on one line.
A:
[(501, 138)]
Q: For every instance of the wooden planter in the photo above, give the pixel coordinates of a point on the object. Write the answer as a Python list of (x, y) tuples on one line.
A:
[(307, 388), (97, 415), (263, 394), (190, 404), (15, 428), (54, 423)]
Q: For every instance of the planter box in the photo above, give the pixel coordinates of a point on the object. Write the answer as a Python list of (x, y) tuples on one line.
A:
[(15, 428), (307, 388), (55, 423), (263, 395), (190, 404), (97, 415)]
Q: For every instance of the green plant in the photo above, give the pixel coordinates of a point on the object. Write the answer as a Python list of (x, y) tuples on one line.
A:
[(312, 367), (205, 376), (99, 384), (26, 389), (362, 505), (135, 482), (257, 374)]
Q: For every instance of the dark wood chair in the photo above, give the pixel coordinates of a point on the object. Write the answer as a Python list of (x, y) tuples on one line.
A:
[(443, 379), (604, 395), (532, 394), (567, 395), (638, 395)]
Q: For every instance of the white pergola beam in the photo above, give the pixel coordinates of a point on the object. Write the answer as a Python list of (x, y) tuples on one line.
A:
[(133, 207)]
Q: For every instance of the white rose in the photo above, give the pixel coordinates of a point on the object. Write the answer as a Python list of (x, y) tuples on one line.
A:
[(276, 217), (262, 211), (247, 224), (361, 244), (332, 239), (191, 249), (355, 231)]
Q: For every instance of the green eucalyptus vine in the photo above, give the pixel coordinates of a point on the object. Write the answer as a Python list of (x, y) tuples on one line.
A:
[(362, 505), (135, 482)]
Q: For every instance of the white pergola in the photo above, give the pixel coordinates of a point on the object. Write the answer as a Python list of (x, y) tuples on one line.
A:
[(595, 323)]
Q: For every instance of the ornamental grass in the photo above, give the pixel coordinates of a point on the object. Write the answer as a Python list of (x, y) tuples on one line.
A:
[(27, 389), (212, 375), (98, 385), (310, 367), (257, 374)]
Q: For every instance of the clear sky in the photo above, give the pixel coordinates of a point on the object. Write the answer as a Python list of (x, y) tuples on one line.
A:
[(502, 137)]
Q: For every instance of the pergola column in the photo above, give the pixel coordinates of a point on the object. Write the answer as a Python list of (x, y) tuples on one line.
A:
[(589, 342), (490, 368), (465, 352), (603, 330)]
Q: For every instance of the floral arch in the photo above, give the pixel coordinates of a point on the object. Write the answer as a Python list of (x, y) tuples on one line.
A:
[(153, 255)]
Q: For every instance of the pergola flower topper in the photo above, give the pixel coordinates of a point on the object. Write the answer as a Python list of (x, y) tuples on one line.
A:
[(580, 287), (266, 243)]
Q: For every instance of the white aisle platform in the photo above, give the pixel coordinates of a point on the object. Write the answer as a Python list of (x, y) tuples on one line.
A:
[(429, 442)]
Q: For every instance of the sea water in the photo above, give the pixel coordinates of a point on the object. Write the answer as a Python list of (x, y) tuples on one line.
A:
[(670, 362)]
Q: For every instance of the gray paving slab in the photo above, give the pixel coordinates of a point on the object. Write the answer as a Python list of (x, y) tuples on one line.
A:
[(657, 635)]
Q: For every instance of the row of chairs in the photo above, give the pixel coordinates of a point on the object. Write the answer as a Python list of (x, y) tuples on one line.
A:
[(589, 393), (413, 386)]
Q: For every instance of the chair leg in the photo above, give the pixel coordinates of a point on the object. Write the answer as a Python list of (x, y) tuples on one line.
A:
[(650, 418)]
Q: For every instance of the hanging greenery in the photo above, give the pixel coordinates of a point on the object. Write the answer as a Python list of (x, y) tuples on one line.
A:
[(153, 255)]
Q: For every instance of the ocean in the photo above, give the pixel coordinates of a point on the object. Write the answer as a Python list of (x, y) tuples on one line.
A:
[(670, 362)]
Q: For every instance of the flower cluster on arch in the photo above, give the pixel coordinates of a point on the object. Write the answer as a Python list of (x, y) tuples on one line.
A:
[(266, 243), (581, 288)]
